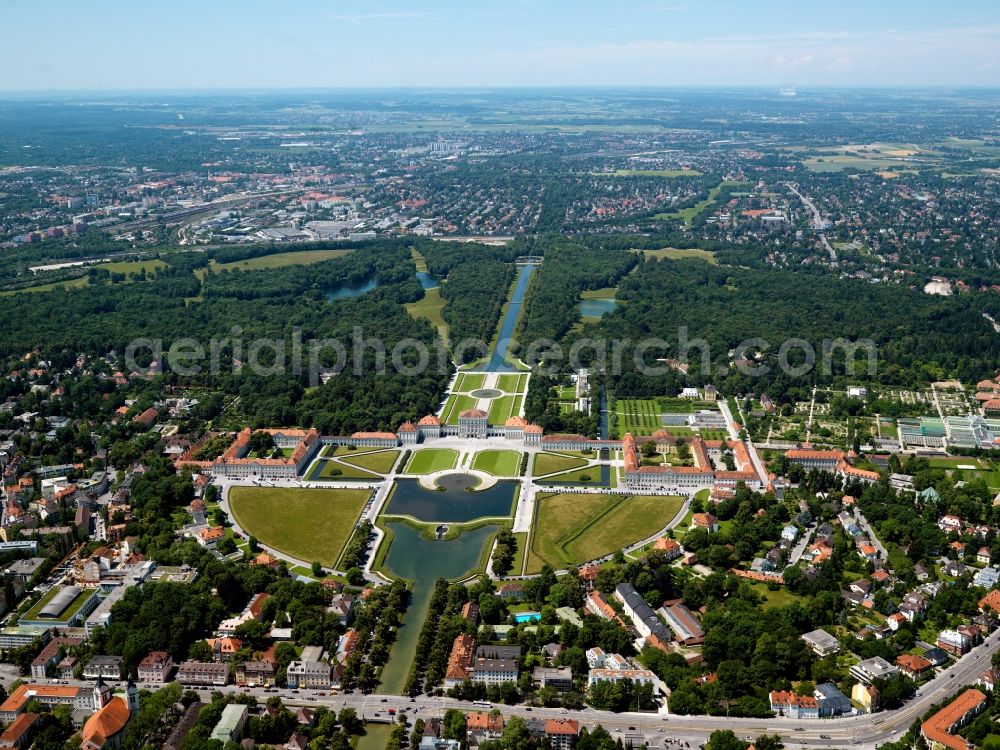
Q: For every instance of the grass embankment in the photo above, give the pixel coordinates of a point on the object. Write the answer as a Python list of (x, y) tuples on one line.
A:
[(307, 524)]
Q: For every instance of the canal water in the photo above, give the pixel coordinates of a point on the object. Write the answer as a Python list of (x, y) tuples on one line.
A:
[(423, 561), (498, 357), (454, 503)]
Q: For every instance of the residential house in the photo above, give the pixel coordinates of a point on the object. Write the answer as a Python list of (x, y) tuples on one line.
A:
[(308, 674), (913, 666), (789, 704), (203, 673), (939, 730), (156, 667), (561, 733)]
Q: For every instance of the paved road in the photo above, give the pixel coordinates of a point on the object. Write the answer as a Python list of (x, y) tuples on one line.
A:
[(865, 731)]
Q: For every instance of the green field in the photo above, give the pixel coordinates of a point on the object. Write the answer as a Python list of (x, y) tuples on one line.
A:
[(430, 309), (380, 461), (455, 405), (587, 474), (499, 463), (347, 450), (511, 383), (280, 260), (334, 471), (429, 460), (607, 292), (780, 598), (676, 253), (572, 528), (308, 524), (522, 552), (841, 162), (502, 408), (467, 382), (547, 463)]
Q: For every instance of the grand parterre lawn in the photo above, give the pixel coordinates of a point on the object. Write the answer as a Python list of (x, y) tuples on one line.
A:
[(381, 462), (308, 524), (498, 463), (333, 471), (547, 463), (429, 460), (455, 405), (572, 528)]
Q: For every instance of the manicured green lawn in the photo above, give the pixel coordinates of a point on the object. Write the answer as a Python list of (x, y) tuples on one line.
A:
[(429, 460), (512, 383), (547, 463), (340, 451), (501, 409), (588, 474), (332, 471), (572, 528), (308, 524), (498, 462), (470, 381), (380, 462), (521, 553), (455, 405)]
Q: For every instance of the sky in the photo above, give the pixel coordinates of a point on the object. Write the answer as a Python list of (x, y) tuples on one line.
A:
[(265, 44)]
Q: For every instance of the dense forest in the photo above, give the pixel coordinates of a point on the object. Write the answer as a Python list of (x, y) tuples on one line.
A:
[(551, 306), (235, 308), (918, 337), (476, 283)]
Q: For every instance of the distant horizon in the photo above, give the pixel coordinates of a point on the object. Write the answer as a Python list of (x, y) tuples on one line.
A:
[(348, 44), (472, 88)]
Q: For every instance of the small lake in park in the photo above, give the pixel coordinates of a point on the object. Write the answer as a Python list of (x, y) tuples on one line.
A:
[(351, 290), (596, 308)]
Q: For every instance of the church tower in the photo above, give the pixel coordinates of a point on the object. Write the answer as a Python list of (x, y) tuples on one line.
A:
[(132, 697)]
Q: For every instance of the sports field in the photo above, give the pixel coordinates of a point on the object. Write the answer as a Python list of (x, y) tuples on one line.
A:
[(308, 524), (379, 461), (499, 463), (429, 460), (547, 463), (573, 528)]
